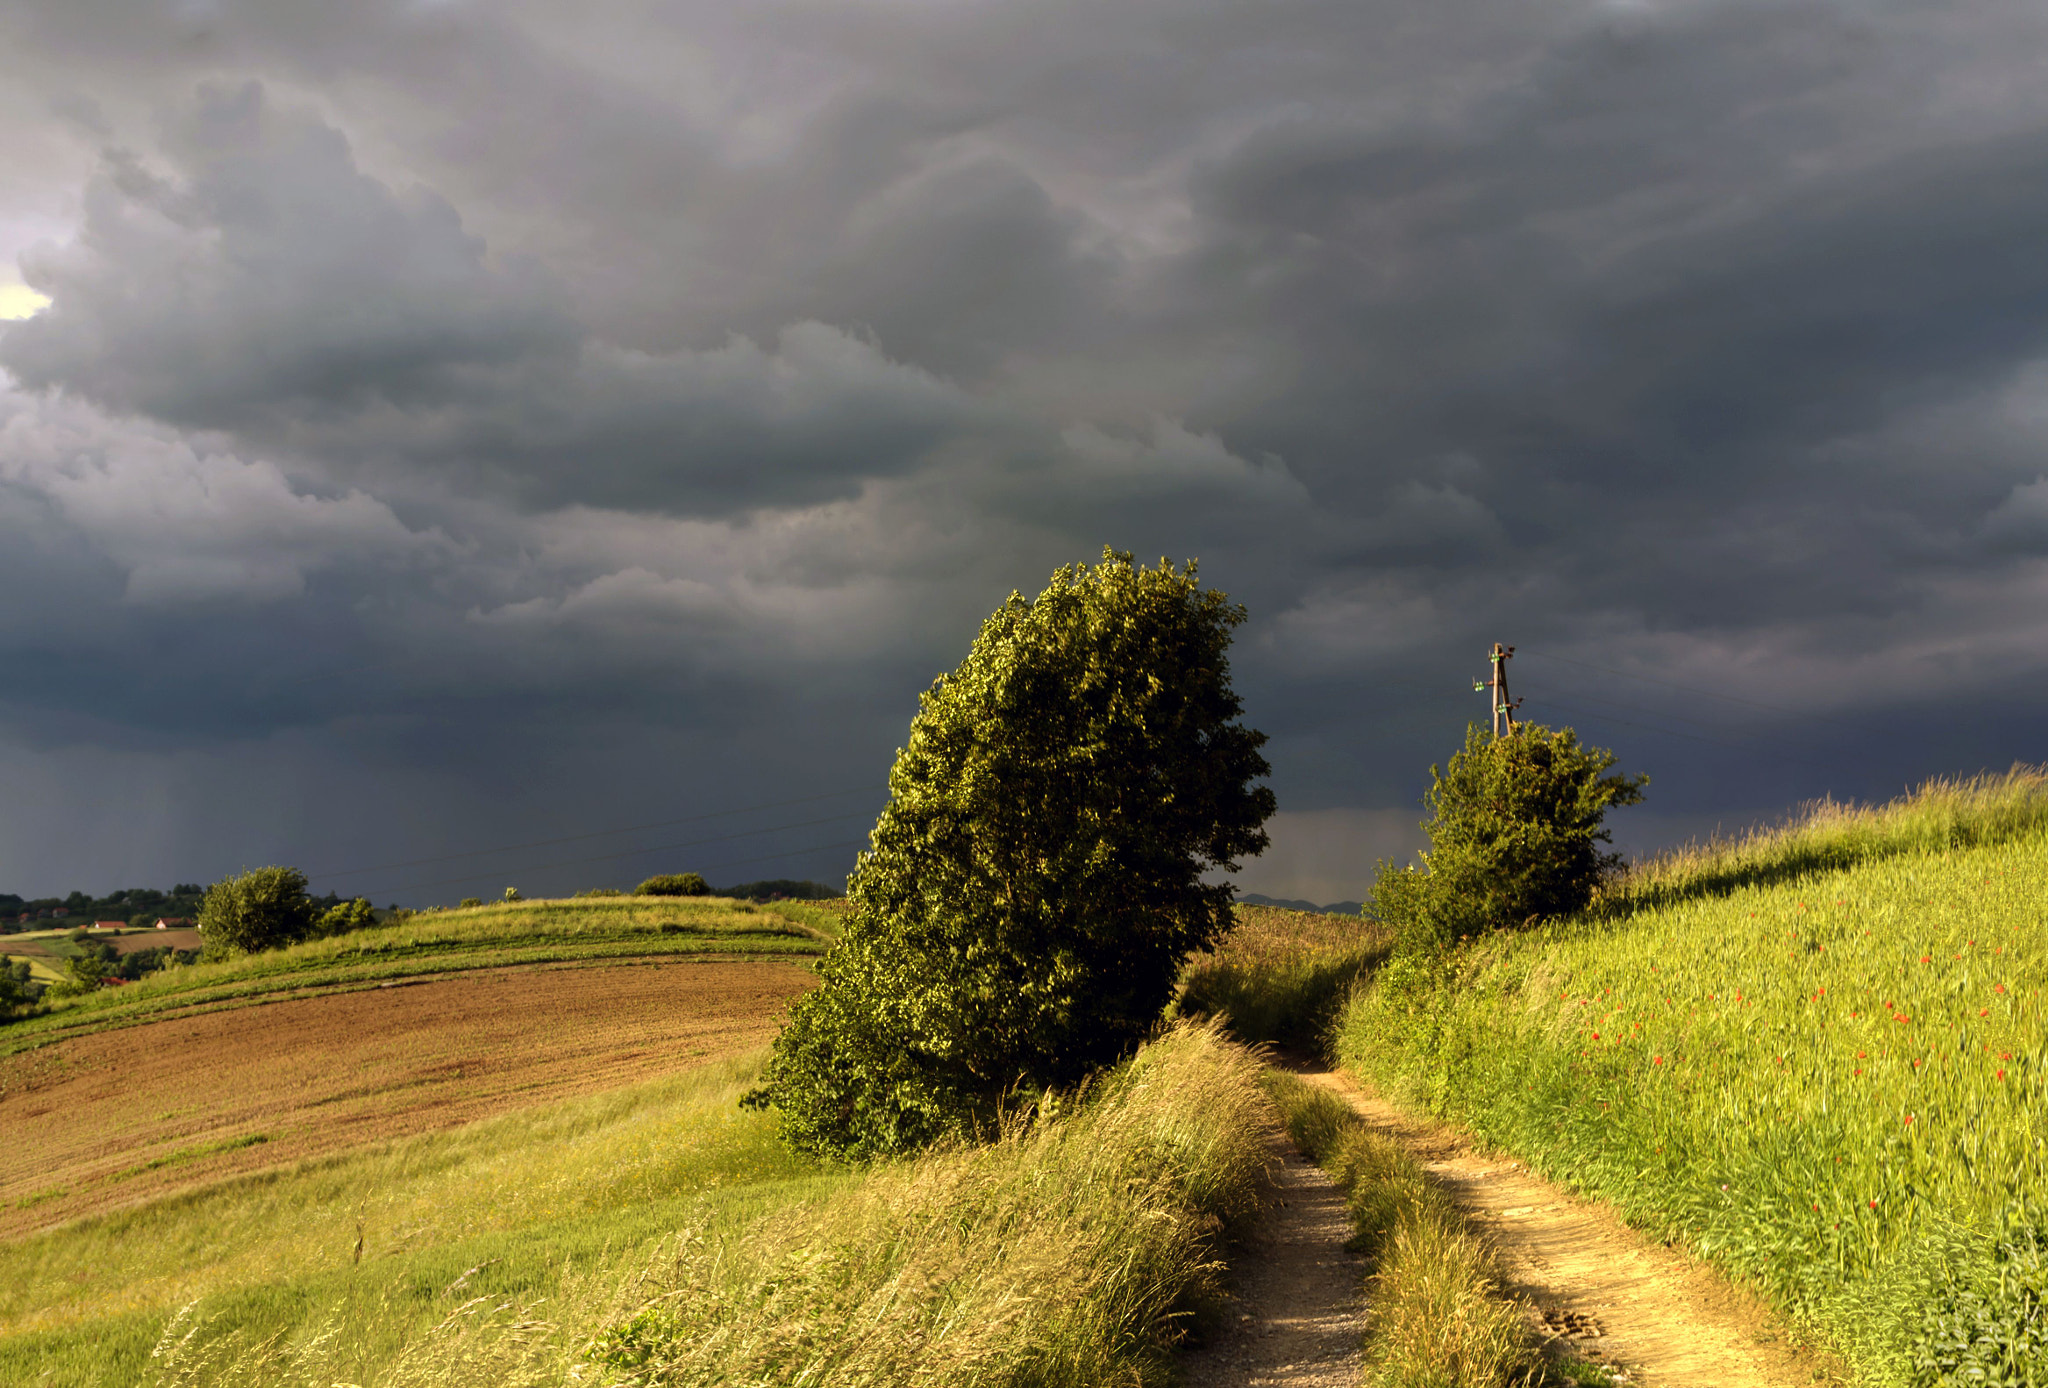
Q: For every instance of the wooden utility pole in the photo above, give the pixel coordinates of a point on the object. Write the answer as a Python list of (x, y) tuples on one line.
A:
[(1503, 707)]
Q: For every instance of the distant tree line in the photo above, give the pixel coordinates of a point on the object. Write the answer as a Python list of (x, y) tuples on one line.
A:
[(133, 906)]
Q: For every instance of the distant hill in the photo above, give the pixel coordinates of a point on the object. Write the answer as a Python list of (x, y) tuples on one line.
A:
[(1335, 908)]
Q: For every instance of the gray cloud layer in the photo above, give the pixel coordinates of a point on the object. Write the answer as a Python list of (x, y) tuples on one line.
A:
[(548, 416)]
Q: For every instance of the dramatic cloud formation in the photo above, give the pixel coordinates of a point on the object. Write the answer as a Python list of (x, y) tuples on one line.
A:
[(435, 427)]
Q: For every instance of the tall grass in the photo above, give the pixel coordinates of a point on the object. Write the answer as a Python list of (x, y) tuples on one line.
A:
[(1280, 976), (370, 1236), (1830, 835), (1815, 1055), (1072, 1252), (640, 1242)]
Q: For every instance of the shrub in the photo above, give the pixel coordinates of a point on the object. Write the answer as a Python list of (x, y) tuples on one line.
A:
[(18, 987), (597, 891), (91, 968), (512, 894), (261, 909), (1036, 877), (1514, 830), (470, 901), (345, 916), (674, 884)]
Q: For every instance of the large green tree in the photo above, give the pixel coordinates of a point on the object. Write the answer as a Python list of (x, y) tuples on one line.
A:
[(1036, 878)]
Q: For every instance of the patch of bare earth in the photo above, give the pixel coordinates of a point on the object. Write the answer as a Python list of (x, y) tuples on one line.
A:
[(1296, 1318), (108, 1119), (1664, 1318)]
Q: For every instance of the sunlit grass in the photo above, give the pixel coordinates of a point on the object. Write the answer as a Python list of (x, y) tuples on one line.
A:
[(594, 1179), (1281, 975), (661, 1235), (1806, 1055)]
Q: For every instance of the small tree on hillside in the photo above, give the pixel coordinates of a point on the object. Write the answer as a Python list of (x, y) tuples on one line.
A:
[(1515, 828), (1036, 878), (674, 884), (261, 909), (343, 917)]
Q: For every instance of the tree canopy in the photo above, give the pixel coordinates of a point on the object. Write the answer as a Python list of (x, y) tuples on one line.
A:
[(260, 909), (1036, 877), (1515, 827)]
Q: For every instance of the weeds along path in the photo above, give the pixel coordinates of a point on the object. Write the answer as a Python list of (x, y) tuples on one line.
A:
[(1621, 1299), (1297, 1317)]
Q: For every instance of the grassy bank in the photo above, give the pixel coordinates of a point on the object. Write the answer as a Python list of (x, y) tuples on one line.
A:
[(494, 936), (1281, 976), (1814, 1056), (663, 1236)]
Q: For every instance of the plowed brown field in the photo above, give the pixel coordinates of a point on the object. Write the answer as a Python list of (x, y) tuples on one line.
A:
[(108, 1119)]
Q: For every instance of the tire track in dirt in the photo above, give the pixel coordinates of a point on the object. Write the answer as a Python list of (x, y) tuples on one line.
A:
[(1666, 1319), (1297, 1315)]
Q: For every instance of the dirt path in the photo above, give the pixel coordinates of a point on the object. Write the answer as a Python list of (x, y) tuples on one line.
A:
[(1665, 1319), (1297, 1315)]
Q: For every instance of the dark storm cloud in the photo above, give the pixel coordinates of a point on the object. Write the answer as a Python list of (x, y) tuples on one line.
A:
[(543, 398), (271, 288)]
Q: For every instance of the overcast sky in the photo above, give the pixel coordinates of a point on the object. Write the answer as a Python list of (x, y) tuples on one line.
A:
[(430, 426)]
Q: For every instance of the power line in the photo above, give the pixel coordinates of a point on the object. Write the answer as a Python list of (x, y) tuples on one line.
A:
[(628, 853), (599, 834)]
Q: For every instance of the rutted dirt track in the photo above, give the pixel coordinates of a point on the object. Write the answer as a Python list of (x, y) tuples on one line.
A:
[(1623, 1300), (108, 1119), (1297, 1316)]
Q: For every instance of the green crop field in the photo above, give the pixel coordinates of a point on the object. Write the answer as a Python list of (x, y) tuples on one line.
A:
[(1816, 1057), (494, 936)]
